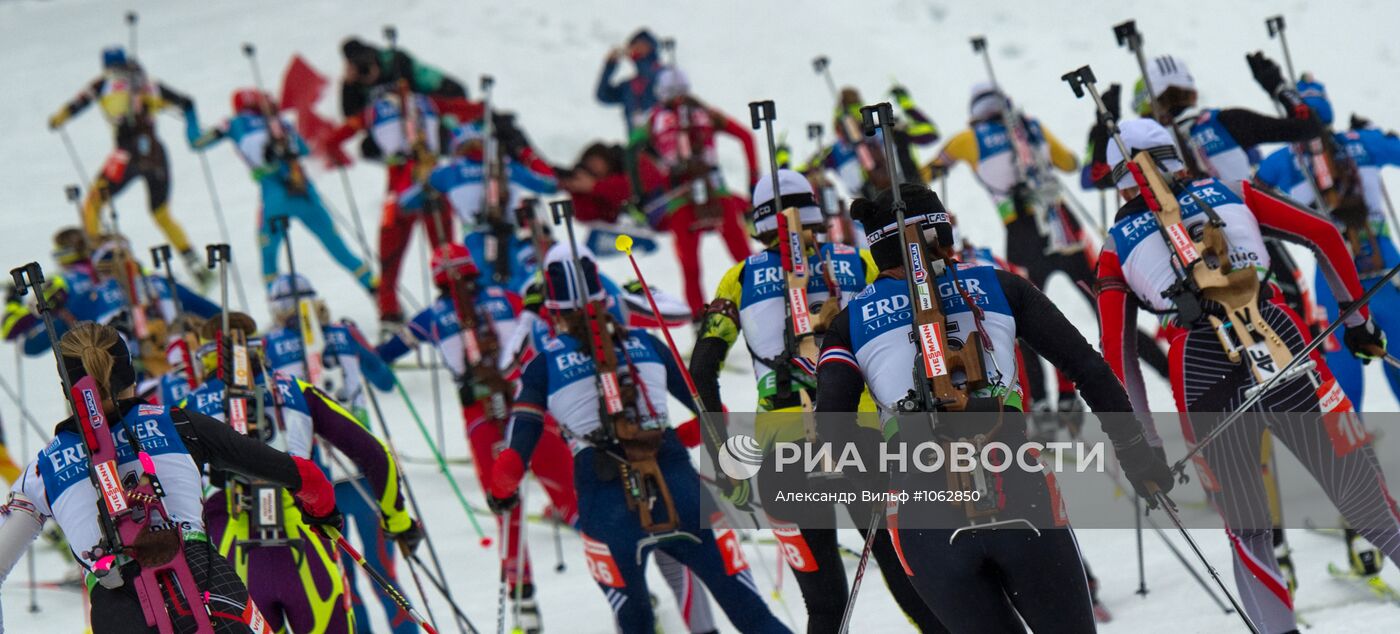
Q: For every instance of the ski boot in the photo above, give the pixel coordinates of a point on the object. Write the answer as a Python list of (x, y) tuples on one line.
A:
[(1284, 554), (528, 621), (1364, 558), (203, 277)]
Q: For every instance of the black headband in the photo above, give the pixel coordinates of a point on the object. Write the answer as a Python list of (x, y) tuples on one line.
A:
[(1161, 154), (765, 210)]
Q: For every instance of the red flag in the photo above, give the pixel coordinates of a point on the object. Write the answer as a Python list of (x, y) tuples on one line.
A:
[(302, 87)]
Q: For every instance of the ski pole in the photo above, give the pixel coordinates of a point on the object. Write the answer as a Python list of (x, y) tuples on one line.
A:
[(387, 586), (1276, 28), (519, 591), (223, 225), (433, 366), (369, 502), (131, 18), (18, 398), (442, 463), (160, 257), (1170, 507), (1137, 533), (860, 569), (354, 212), (408, 492), (668, 48), (1291, 370), (822, 66), (73, 154), (624, 244), (24, 450), (558, 548), (412, 499)]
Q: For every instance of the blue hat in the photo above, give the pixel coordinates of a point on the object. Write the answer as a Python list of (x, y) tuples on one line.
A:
[(564, 281), (113, 56), (1314, 94)]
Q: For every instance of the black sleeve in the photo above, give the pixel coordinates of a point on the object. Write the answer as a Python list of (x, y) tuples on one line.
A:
[(1041, 324), (174, 97), (218, 445), (705, 363), (1251, 128)]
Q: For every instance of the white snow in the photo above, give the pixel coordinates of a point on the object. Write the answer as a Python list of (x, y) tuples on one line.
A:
[(545, 56)]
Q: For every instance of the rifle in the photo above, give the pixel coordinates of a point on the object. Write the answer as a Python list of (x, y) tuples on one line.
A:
[(125, 514), (310, 333), (526, 217), (147, 323), (1034, 185), (495, 190), (848, 130), (1201, 260), (618, 392), (799, 336), (1333, 174), (935, 358), (481, 347), (160, 255), (234, 367), (280, 146)]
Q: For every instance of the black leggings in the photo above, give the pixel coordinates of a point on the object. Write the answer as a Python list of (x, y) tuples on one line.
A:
[(825, 589), (119, 611), (989, 581)]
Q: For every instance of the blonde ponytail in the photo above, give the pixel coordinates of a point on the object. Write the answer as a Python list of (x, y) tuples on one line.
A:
[(90, 343)]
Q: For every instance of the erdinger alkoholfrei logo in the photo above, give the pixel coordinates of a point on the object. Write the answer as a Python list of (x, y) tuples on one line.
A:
[(740, 457)]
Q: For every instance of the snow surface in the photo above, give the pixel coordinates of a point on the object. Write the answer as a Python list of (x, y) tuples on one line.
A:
[(545, 56)]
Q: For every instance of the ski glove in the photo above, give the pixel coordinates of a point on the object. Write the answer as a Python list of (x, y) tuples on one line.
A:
[(409, 538), (1143, 465), (57, 120), (315, 497), (738, 492), (1365, 341), (1265, 71), (506, 475)]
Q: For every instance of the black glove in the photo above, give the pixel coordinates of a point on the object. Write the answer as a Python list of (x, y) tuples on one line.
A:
[(1366, 341), (501, 506), (900, 93), (1143, 465), (1265, 71), (1112, 99), (333, 519), (409, 538)]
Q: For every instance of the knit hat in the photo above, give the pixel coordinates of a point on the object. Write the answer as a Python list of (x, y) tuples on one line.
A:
[(565, 278), (796, 192), (1167, 71), (113, 57), (1314, 94), (1139, 135), (987, 102), (671, 84), (921, 205)]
